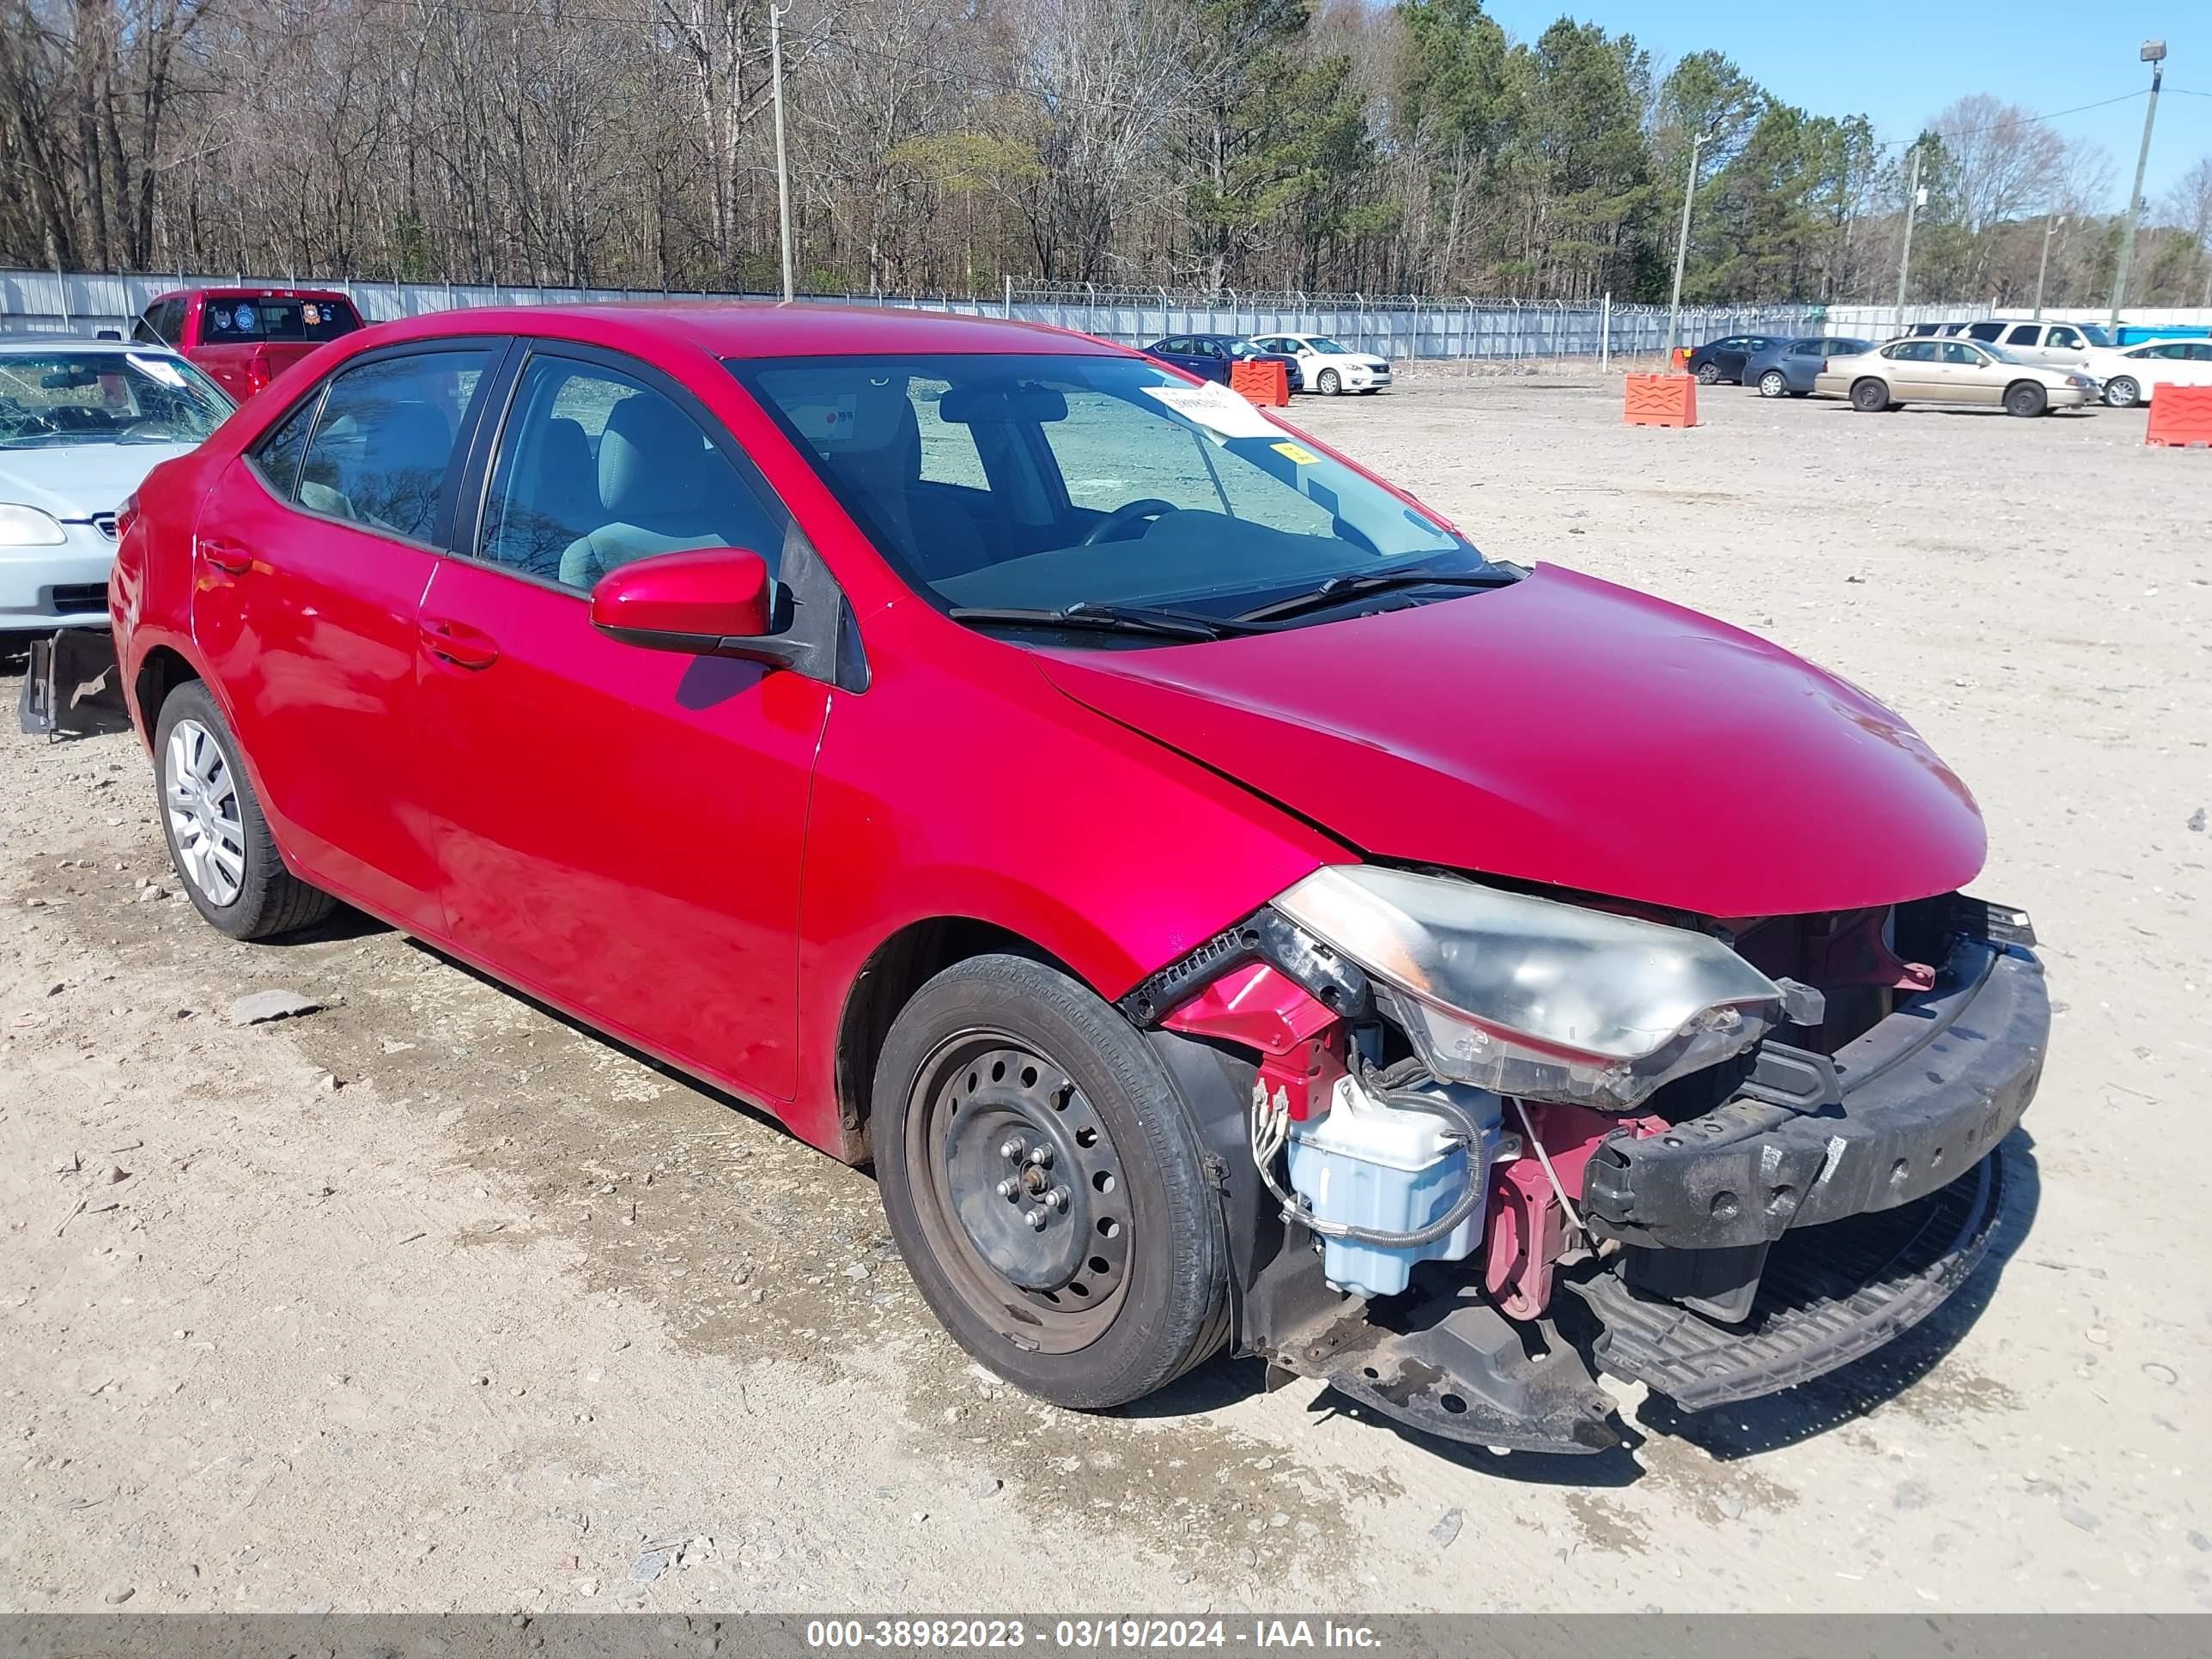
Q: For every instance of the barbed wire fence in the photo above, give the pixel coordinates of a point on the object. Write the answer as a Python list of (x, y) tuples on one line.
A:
[(1403, 328)]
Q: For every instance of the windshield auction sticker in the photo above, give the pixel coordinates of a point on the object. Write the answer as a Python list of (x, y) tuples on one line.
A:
[(1216, 408)]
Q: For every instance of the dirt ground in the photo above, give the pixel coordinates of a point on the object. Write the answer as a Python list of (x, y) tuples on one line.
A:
[(429, 1300)]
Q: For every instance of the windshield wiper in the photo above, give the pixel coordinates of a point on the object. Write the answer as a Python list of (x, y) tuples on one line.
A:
[(1108, 618), (1337, 589)]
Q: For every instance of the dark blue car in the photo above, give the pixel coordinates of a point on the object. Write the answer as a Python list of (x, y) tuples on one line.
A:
[(1786, 368), (1209, 356)]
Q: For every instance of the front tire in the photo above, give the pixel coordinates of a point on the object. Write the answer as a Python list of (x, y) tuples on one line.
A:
[(2025, 398), (1869, 395), (1773, 384), (1044, 1184), (219, 840), (1327, 384), (1708, 373), (2121, 392)]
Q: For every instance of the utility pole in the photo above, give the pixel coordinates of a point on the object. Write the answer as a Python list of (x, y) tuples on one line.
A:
[(2051, 223), (1682, 241), (1912, 208), (2153, 53), (782, 169)]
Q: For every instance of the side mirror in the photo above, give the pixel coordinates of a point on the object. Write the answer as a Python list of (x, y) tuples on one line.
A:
[(705, 601)]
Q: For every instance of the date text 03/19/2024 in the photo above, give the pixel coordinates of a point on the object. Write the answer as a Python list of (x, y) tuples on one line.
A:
[(1087, 1635)]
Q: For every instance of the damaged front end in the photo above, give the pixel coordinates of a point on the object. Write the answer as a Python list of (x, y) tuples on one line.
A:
[(1753, 1150)]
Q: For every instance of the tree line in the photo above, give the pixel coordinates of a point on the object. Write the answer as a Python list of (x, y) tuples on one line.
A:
[(942, 145)]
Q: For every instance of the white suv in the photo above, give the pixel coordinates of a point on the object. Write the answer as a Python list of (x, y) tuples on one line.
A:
[(2055, 345)]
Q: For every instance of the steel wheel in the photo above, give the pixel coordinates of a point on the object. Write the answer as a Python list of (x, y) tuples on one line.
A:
[(1773, 384), (1869, 395), (205, 825), (1018, 1182)]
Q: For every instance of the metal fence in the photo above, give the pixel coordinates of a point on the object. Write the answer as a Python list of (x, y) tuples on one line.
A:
[(44, 302)]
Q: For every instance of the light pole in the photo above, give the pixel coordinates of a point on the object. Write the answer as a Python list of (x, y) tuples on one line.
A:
[(2043, 264), (1912, 200), (782, 171), (2153, 53), (1682, 241)]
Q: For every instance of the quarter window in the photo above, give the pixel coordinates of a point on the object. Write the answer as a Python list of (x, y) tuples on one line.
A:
[(385, 443), (596, 469)]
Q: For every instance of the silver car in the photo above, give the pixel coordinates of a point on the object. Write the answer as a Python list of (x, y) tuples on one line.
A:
[(82, 422)]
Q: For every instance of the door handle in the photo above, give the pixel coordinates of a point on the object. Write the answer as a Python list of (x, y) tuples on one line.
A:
[(226, 556), (459, 644)]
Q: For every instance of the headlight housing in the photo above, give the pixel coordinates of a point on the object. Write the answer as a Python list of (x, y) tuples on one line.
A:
[(26, 527), (1531, 997)]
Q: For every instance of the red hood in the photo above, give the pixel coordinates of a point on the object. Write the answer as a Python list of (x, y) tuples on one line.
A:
[(1569, 731)]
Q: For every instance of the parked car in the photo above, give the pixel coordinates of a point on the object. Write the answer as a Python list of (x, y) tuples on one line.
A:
[(2128, 376), (1787, 368), (1210, 356), (1059, 784), (1726, 359), (245, 336), (80, 422), (2055, 345), (1953, 371), (1329, 366)]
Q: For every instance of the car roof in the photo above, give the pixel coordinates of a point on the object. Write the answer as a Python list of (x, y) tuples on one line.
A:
[(733, 328), (25, 345), (252, 293)]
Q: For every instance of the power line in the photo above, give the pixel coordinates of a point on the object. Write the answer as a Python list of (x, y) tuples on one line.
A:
[(2020, 120)]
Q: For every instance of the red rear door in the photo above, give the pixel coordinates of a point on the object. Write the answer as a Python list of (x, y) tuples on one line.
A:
[(311, 555), (620, 828)]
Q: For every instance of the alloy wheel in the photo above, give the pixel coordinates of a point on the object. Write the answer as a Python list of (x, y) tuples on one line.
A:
[(202, 802), (1019, 1187)]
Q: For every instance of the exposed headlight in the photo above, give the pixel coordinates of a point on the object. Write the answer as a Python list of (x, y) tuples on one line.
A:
[(26, 527), (1528, 996)]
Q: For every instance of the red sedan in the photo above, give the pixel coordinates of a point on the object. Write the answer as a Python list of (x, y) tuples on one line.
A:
[(1229, 909)]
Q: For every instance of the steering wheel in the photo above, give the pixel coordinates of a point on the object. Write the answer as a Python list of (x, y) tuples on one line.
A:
[(1110, 527)]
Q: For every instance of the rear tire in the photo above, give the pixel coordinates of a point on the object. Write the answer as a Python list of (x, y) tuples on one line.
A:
[(1007, 1092), (1869, 395), (2121, 392), (219, 840), (1773, 384), (2025, 398)]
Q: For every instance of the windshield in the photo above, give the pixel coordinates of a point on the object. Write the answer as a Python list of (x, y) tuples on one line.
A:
[(1322, 343), (48, 399), (1045, 481), (277, 319), (2097, 335)]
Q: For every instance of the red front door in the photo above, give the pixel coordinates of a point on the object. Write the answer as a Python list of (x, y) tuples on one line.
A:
[(620, 829)]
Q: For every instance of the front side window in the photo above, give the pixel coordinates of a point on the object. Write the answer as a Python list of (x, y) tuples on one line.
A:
[(384, 444), (61, 399), (2065, 338), (1105, 481), (1962, 355), (596, 469)]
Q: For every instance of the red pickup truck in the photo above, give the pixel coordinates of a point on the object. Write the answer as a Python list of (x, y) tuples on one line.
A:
[(244, 338)]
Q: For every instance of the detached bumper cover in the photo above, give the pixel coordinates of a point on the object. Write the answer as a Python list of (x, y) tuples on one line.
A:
[(1914, 1103)]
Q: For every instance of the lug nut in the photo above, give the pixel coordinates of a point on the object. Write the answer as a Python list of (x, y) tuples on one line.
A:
[(1037, 1220), (1042, 1156), (1011, 1150), (1010, 1189), (1058, 1199)]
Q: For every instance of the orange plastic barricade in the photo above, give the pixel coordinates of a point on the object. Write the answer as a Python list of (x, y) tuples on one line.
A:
[(1682, 358), (1267, 384), (1662, 400), (2180, 416)]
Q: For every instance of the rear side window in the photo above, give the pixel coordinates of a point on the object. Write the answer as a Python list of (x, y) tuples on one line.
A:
[(384, 446), (596, 469), (1985, 330), (1808, 349), (2026, 334)]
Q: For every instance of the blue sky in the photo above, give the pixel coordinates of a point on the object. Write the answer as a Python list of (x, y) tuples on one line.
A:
[(1899, 63)]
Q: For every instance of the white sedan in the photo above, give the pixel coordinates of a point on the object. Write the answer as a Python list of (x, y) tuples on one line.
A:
[(82, 422), (2129, 372), (1329, 367)]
